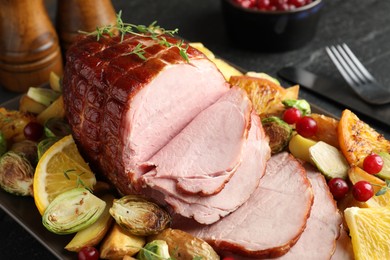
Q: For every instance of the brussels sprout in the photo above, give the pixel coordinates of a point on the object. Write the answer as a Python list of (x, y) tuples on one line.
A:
[(56, 127), (278, 131), (16, 174), (139, 216), (3, 144), (72, 211), (46, 144), (300, 104), (28, 149), (157, 249)]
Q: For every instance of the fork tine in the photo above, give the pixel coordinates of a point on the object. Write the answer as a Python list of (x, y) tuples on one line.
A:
[(358, 64), (354, 71), (340, 64)]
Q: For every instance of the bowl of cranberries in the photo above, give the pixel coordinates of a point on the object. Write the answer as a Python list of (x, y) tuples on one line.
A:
[(271, 25)]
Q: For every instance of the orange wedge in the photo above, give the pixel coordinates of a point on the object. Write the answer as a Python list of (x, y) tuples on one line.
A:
[(266, 95), (357, 139)]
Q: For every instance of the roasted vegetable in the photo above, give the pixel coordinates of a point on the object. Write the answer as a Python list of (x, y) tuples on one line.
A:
[(28, 149), (72, 211), (27, 104), (55, 110), (93, 234), (46, 144), (139, 216), (119, 243), (184, 246), (299, 147), (12, 124), (300, 104), (3, 144), (16, 174), (56, 127), (44, 96), (157, 249), (329, 160), (278, 131)]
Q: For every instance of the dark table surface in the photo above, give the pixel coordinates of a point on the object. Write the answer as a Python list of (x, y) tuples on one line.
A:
[(363, 25)]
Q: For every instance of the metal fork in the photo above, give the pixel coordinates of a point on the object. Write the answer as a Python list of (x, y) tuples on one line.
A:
[(357, 76)]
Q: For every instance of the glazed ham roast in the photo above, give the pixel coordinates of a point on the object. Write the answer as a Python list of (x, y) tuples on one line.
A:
[(174, 130)]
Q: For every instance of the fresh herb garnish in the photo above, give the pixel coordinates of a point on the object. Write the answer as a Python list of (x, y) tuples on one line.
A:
[(79, 181), (383, 189), (152, 31)]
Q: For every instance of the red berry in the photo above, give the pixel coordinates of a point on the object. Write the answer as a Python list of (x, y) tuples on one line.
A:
[(373, 163), (264, 4), (306, 126), (88, 253), (247, 3), (362, 191), (228, 258), (338, 187), (297, 3), (33, 131), (291, 115)]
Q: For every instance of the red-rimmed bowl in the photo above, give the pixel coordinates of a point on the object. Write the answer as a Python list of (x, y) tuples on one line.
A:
[(271, 30)]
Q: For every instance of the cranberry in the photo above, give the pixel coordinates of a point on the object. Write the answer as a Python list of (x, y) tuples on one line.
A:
[(338, 187), (264, 4), (88, 253), (297, 3), (246, 3), (306, 126), (33, 131), (291, 115), (362, 191), (373, 163)]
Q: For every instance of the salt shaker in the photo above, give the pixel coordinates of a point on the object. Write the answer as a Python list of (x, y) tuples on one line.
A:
[(82, 15), (29, 47)]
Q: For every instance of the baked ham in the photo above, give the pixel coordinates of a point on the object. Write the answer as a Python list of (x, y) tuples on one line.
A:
[(270, 222), (123, 109), (209, 209)]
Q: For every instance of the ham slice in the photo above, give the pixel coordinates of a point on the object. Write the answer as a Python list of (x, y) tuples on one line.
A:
[(206, 153), (207, 210), (270, 222), (318, 240)]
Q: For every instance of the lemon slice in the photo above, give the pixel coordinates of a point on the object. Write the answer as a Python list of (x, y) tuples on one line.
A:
[(370, 232), (60, 168)]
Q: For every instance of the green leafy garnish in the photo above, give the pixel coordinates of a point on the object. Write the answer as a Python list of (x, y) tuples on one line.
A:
[(152, 31), (383, 189), (79, 181)]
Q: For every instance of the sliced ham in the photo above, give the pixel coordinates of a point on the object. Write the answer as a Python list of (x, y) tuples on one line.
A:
[(318, 240), (270, 222), (344, 249), (205, 154), (207, 210), (123, 109)]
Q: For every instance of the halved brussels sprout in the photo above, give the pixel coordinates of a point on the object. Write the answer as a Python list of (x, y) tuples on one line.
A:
[(16, 174), (139, 216), (278, 131), (72, 211), (156, 249), (300, 104), (56, 127), (28, 149)]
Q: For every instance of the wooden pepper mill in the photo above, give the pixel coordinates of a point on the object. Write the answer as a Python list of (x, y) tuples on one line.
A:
[(29, 48), (82, 15)]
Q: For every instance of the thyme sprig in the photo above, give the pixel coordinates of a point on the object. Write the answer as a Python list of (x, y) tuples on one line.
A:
[(153, 31), (79, 181), (383, 189)]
